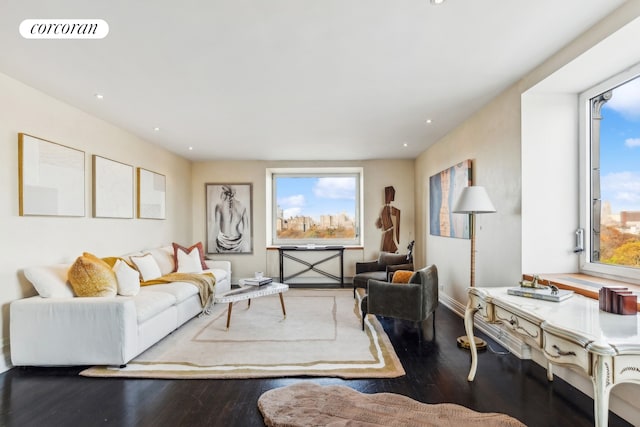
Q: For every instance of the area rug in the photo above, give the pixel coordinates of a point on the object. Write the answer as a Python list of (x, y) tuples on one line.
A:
[(308, 404), (320, 336)]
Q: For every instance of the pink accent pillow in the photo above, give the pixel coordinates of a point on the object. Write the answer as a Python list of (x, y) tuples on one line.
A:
[(188, 250)]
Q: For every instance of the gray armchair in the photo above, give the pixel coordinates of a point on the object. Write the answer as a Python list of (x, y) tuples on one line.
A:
[(381, 269), (415, 301)]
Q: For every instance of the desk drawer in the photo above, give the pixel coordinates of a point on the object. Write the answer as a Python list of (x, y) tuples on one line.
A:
[(562, 351), (519, 325)]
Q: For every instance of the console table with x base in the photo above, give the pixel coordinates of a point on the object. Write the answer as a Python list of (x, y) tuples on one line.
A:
[(312, 266)]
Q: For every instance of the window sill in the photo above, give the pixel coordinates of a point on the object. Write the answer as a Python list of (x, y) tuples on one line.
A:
[(582, 284)]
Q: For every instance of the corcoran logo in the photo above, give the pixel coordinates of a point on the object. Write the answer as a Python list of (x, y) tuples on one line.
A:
[(64, 29)]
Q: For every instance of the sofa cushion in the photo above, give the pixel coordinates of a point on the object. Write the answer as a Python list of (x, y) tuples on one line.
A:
[(164, 259), (149, 303), (128, 278), (180, 290), (92, 277), (198, 246), (147, 266), (50, 281)]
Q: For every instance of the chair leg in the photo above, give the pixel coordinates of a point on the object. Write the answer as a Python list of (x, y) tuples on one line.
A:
[(433, 324), (363, 314)]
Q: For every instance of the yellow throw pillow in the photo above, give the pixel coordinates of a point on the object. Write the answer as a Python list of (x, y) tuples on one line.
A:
[(92, 277), (401, 276)]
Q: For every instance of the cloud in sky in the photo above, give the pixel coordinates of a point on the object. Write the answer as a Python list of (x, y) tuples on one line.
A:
[(291, 212), (292, 205), (622, 190), (626, 100), (632, 142), (335, 188), (291, 201)]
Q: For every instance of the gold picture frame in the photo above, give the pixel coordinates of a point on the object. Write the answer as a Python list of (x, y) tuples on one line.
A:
[(51, 178), (152, 194), (112, 188)]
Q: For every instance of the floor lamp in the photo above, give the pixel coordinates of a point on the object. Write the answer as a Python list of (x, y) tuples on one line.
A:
[(473, 200)]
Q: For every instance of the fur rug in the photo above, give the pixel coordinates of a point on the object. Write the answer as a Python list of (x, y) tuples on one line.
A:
[(308, 404)]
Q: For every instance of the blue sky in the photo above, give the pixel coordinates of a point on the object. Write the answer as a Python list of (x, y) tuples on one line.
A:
[(313, 196), (620, 148)]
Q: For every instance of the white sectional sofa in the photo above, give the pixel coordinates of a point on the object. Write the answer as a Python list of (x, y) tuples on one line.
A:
[(55, 328)]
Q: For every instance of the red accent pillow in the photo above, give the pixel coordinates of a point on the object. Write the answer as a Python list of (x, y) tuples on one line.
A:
[(188, 250)]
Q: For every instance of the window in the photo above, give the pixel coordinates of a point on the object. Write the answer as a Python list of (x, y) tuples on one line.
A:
[(314, 206), (611, 176)]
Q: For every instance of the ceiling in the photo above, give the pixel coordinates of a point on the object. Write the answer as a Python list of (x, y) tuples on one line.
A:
[(291, 79)]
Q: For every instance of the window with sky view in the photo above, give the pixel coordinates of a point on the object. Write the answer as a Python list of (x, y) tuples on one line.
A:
[(316, 208), (620, 176)]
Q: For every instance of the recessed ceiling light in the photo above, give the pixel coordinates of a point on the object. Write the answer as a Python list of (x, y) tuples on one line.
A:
[(99, 96), (428, 121), (156, 129), (437, 2), (405, 145), (190, 148)]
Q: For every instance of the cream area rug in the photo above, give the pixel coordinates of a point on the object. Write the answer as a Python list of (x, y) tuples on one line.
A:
[(320, 336), (308, 404)]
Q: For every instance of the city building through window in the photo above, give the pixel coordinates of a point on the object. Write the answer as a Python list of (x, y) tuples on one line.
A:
[(611, 150), (315, 206)]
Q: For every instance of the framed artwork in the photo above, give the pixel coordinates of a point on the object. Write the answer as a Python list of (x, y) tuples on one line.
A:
[(50, 178), (229, 219), (112, 189), (151, 195), (444, 190)]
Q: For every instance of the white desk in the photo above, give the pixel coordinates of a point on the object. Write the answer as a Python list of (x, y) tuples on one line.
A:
[(573, 332)]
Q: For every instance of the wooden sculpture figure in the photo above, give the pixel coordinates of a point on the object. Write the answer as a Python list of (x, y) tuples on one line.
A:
[(389, 222)]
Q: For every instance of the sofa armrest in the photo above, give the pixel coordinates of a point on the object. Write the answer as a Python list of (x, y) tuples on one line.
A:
[(394, 299), (223, 265), (73, 331), (364, 267)]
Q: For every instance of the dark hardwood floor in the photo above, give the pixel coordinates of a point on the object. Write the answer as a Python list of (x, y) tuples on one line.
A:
[(436, 372)]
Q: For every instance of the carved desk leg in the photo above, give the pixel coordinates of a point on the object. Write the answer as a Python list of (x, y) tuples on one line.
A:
[(602, 384), (468, 326), (549, 371)]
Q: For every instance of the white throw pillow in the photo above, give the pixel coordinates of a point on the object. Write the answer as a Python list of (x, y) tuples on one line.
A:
[(164, 258), (189, 262), (128, 279), (147, 266), (50, 281)]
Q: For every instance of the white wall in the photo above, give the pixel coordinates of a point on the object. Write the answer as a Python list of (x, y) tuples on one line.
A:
[(490, 138), (32, 240), (525, 149), (377, 175), (550, 190)]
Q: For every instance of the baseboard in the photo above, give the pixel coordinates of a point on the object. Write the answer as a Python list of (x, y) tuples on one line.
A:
[(498, 333), (622, 405)]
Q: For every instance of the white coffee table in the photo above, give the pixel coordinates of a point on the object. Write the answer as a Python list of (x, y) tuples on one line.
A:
[(249, 292)]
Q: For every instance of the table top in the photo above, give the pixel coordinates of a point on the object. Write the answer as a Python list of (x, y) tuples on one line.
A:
[(249, 292), (579, 316)]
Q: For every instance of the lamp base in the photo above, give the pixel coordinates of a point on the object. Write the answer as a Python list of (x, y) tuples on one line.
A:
[(463, 342)]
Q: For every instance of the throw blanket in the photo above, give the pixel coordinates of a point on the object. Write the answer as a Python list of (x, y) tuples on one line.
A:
[(205, 282)]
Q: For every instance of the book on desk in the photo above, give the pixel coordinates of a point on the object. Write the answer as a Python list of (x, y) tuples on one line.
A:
[(257, 282), (546, 294)]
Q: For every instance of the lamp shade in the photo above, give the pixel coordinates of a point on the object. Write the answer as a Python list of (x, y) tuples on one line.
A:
[(474, 199)]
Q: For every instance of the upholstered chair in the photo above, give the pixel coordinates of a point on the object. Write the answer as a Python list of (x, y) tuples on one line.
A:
[(381, 269), (415, 301)]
